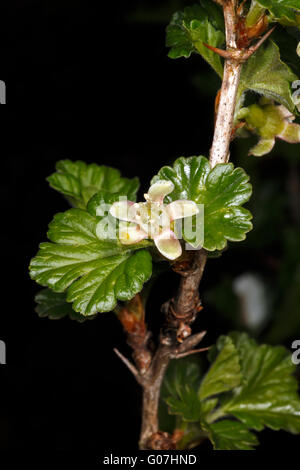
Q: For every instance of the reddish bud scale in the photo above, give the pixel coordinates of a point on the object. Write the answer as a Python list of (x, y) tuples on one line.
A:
[(246, 34), (130, 322)]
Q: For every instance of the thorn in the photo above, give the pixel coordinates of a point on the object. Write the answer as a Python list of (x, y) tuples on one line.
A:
[(189, 353), (220, 52), (130, 366), (190, 342), (254, 48), (239, 55)]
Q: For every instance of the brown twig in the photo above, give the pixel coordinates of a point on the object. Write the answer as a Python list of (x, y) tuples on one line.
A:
[(189, 353)]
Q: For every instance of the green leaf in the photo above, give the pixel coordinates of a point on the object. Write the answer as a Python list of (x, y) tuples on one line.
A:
[(187, 404), (224, 373), (179, 372), (247, 387), (94, 270), (189, 29), (101, 202), (79, 181), (267, 75), (231, 435), (286, 12), (268, 395), (54, 305), (180, 392), (222, 190), (180, 385)]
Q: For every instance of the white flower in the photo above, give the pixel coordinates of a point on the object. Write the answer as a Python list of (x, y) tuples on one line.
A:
[(152, 219)]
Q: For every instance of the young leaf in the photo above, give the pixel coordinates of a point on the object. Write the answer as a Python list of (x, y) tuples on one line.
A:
[(196, 25), (224, 374), (267, 75), (187, 404), (268, 395), (180, 392), (231, 435), (222, 190), (247, 387), (180, 385), (54, 305), (94, 270), (79, 181), (181, 371), (286, 12)]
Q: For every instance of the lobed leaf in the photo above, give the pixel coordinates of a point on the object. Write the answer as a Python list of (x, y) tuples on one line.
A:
[(187, 404), (265, 74), (268, 394), (195, 25), (180, 386), (54, 305), (247, 387), (231, 435), (286, 12), (224, 374), (94, 270), (79, 181), (181, 371)]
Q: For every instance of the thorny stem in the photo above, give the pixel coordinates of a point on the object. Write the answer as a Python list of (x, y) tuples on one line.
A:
[(176, 340), (219, 152)]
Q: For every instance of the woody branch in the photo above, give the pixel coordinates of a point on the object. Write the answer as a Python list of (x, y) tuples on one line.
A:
[(176, 339), (234, 57)]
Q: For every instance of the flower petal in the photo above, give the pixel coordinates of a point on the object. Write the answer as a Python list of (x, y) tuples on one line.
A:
[(159, 190), (285, 113), (123, 210), (264, 146), (168, 244), (291, 133), (130, 234), (181, 208)]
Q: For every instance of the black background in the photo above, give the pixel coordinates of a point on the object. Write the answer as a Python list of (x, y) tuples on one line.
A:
[(84, 82)]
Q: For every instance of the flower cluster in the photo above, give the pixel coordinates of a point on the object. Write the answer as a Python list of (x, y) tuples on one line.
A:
[(269, 121), (153, 219)]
